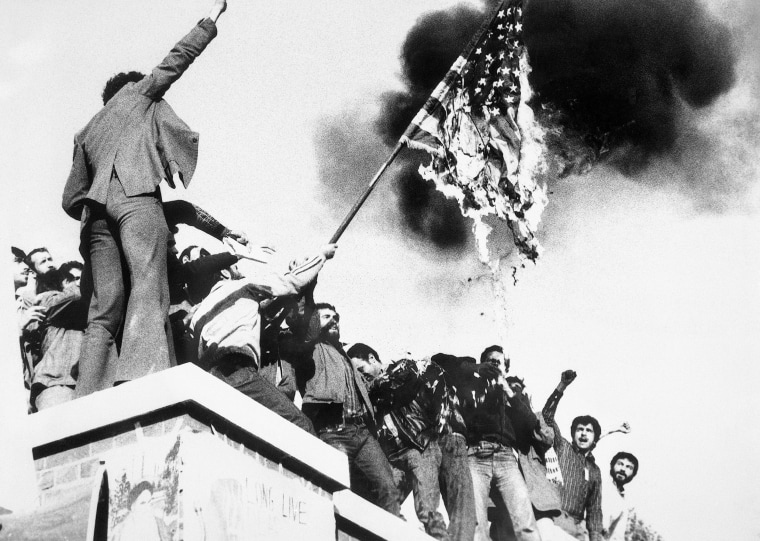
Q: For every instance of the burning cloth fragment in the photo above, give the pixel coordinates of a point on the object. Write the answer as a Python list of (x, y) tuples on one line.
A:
[(485, 144)]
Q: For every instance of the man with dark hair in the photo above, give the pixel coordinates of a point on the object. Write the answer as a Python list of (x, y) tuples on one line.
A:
[(581, 490), (498, 422), (118, 81), (71, 273), (45, 271), (336, 400), (366, 360), (120, 158), (623, 468), (491, 353)]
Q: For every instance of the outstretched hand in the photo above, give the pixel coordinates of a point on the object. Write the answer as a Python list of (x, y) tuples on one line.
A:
[(238, 236), (237, 248), (625, 428), (33, 314)]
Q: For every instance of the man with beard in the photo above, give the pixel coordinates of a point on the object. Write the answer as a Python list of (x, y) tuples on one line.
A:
[(44, 268), (581, 490), (623, 468), (337, 402)]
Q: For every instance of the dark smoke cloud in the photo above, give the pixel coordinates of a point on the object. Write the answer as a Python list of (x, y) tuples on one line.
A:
[(618, 81), (426, 212), (430, 48), (619, 74)]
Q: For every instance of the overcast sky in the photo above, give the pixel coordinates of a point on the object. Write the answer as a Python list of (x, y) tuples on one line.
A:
[(654, 301)]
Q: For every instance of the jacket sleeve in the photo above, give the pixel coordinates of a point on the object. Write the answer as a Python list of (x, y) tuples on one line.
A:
[(178, 60), (525, 421), (275, 284), (183, 212), (543, 435), (77, 185), (65, 308)]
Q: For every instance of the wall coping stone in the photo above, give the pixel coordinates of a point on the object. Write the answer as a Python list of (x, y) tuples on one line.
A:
[(191, 387)]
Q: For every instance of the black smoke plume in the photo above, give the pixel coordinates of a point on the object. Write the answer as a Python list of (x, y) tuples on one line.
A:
[(426, 212), (619, 74), (612, 79), (616, 81)]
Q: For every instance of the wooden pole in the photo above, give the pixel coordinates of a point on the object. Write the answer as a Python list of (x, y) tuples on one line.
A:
[(365, 195)]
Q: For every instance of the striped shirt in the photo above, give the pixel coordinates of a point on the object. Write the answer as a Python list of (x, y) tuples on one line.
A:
[(582, 488)]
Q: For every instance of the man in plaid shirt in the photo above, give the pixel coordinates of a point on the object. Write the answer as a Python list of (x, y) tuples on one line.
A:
[(581, 489)]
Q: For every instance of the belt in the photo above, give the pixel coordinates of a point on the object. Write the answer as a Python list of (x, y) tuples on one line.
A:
[(493, 446), (347, 421)]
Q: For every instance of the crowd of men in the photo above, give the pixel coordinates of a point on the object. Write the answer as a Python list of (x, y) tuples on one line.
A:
[(444, 428)]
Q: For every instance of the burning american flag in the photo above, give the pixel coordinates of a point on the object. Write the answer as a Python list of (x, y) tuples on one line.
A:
[(486, 147)]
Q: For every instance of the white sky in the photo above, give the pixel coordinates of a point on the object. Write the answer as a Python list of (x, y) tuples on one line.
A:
[(655, 306)]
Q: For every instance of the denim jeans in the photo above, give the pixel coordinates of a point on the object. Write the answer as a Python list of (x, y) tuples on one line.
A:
[(498, 466), (124, 243), (419, 473), (456, 487), (371, 475), (239, 372)]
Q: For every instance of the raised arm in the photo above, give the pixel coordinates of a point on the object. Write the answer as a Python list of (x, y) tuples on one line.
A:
[(623, 428), (550, 408), (296, 279), (182, 55)]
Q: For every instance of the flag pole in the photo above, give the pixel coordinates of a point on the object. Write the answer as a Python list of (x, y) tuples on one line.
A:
[(405, 140), (365, 195)]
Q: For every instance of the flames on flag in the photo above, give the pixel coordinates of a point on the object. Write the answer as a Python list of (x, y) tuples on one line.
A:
[(485, 144)]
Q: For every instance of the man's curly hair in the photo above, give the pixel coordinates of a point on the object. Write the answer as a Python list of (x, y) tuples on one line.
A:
[(118, 81)]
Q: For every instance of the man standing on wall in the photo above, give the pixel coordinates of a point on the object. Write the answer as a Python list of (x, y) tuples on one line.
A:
[(120, 158)]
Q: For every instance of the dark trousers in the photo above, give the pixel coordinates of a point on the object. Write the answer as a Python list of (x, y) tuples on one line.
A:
[(123, 243), (239, 372), (370, 472), (456, 487)]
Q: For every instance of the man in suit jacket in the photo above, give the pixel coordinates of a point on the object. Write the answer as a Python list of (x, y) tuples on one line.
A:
[(120, 157)]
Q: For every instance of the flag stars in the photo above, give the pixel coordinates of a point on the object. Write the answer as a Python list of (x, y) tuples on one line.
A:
[(501, 13)]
